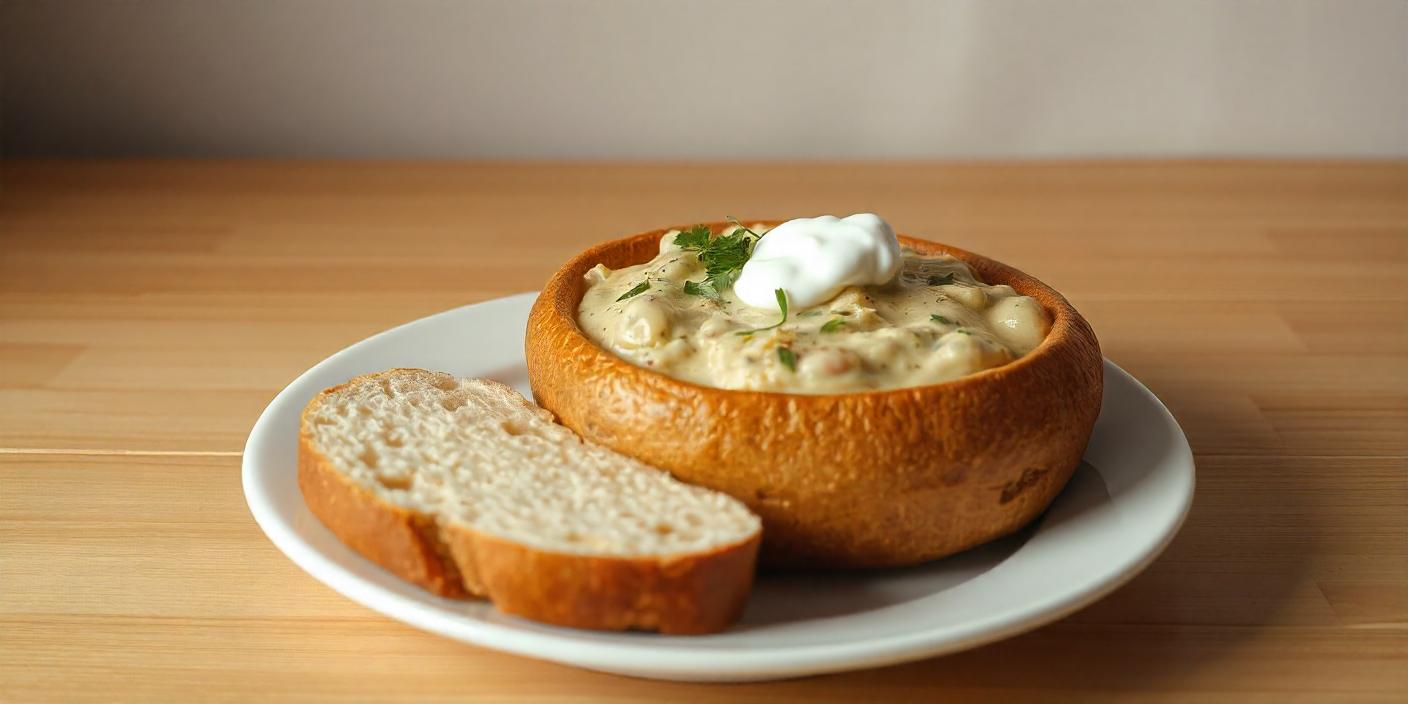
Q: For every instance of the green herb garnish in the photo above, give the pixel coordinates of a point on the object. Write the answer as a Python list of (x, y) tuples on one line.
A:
[(961, 331), (940, 319), (742, 227), (941, 280), (833, 325), (639, 288), (723, 257), (809, 314), (781, 306), (701, 288), (695, 238), (787, 357)]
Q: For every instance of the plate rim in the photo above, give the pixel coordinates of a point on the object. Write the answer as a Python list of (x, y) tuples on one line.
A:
[(704, 662)]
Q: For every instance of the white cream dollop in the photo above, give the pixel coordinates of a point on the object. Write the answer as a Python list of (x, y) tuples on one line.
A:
[(812, 259)]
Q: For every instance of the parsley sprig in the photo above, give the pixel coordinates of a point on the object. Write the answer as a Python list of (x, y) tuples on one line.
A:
[(743, 228), (723, 257), (695, 238), (781, 307)]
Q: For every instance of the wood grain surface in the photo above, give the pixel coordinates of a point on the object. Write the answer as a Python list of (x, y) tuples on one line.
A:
[(149, 311)]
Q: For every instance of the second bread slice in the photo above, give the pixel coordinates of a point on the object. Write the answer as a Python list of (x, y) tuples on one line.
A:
[(464, 487)]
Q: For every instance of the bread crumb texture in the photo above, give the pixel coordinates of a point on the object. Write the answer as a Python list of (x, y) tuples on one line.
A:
[(475, 452)]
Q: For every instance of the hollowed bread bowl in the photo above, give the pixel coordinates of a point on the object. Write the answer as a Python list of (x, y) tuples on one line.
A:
[(866, 479)]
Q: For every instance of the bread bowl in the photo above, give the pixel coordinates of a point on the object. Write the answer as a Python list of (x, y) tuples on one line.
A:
[(871, 478)]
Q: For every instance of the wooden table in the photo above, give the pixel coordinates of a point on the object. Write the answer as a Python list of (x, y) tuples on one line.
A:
[(149, 311)]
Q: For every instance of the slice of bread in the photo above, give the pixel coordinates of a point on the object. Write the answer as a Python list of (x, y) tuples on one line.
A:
[(465, 488)]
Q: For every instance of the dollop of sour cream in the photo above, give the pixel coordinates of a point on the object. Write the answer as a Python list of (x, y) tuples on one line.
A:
[(812, 259)]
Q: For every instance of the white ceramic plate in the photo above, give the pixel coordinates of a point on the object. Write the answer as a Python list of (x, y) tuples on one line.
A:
[(1119, 511)]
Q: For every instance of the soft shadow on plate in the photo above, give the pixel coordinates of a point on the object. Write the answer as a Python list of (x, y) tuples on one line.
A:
[(783, 596), (515, 375)]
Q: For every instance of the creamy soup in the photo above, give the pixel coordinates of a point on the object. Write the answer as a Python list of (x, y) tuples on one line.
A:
[(934, 321)]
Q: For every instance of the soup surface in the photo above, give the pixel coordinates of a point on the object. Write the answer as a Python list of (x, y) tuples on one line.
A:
[(935, 321)]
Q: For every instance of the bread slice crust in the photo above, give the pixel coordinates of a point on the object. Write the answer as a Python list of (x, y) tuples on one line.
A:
[(691, 593), (868, 479)]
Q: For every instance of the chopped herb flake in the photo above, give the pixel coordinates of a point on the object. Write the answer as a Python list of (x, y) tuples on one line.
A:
[(787, 357), (639, 288), (701, 288), (833, 325), (940, 319)]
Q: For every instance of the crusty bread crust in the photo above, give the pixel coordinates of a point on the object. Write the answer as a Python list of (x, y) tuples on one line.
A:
[(675, 594), (871, 479)]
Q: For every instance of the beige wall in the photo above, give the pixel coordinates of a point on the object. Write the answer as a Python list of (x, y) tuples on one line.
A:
[(718, 79)]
